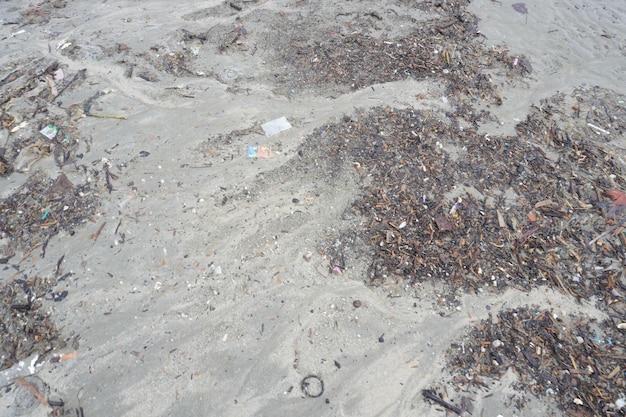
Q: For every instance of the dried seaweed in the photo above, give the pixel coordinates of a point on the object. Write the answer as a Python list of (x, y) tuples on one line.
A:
[(42, 207), (26, 327), (577, 361), (529, 204)]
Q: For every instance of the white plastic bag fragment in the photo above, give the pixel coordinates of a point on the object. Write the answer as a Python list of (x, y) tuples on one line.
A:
[(276, 126)]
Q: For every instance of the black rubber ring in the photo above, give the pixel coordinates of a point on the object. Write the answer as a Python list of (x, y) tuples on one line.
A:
[(305, 386)]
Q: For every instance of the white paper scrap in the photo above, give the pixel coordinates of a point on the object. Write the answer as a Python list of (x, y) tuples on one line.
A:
[(49, 131), (276, 126)]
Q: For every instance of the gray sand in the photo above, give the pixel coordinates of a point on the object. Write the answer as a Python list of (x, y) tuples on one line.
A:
[(208, 308)]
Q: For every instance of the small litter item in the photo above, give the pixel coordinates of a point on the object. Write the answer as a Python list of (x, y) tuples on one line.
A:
[(49, 131), (258, 152), (599, 129), (18, 127), (63, 44), (263, 152), (456, 206), (520, 8), (276, 126), (58, 75), (229, 74)]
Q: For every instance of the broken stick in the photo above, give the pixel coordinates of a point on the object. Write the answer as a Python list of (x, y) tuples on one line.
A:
[(434, 397)]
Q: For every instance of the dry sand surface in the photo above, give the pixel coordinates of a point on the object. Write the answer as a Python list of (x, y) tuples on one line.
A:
[(200, 282)]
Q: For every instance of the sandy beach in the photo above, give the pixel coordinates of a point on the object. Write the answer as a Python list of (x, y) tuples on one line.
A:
[(182, 260)]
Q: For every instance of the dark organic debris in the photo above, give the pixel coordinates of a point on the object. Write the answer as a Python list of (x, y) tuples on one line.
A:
[(42, 207), (41, 12), (447, 205), (577, 361), (440, 202), (26, 327), (430, 395), (446, 47)]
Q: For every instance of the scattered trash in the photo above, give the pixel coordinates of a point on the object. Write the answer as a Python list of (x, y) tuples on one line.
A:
[(66, 356), (49, 131), (456, 206), (418, 250), (276, 126), (520, 8), (63, 44), (19, 32), (599, 129), (312, 386), (258, 152), (58, 75)]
